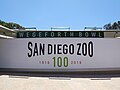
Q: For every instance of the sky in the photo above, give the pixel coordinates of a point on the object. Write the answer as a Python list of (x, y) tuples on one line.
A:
[(76, 14)]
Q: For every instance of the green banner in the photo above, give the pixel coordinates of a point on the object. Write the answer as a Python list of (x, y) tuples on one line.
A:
[(60, 34)]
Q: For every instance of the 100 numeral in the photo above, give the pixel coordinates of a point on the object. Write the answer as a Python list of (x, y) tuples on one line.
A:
[(59, 61)]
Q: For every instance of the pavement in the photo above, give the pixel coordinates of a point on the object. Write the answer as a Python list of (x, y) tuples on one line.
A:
[(24, 82)]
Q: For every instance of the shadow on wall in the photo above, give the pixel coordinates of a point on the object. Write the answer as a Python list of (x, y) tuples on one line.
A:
[(86, 74)]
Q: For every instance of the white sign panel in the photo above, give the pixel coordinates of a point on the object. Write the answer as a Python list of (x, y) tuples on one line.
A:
[(60, 54)]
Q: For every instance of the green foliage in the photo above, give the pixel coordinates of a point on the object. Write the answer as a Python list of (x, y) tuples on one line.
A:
[(11, 25), (115, 25)]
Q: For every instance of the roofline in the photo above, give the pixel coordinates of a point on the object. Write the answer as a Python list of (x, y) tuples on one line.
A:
[(113, 30)]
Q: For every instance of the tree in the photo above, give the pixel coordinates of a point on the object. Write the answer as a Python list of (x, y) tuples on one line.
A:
[(115, 25), (107, 26), (11, 25)]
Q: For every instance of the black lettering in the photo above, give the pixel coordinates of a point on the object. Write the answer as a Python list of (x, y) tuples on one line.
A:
[(54, 48), (30, 49), (65, 49), (79, 48), (84, 49), (90, 49), (35, 50), (49, 49), (71, 49), (42, 49), (59, 48)]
